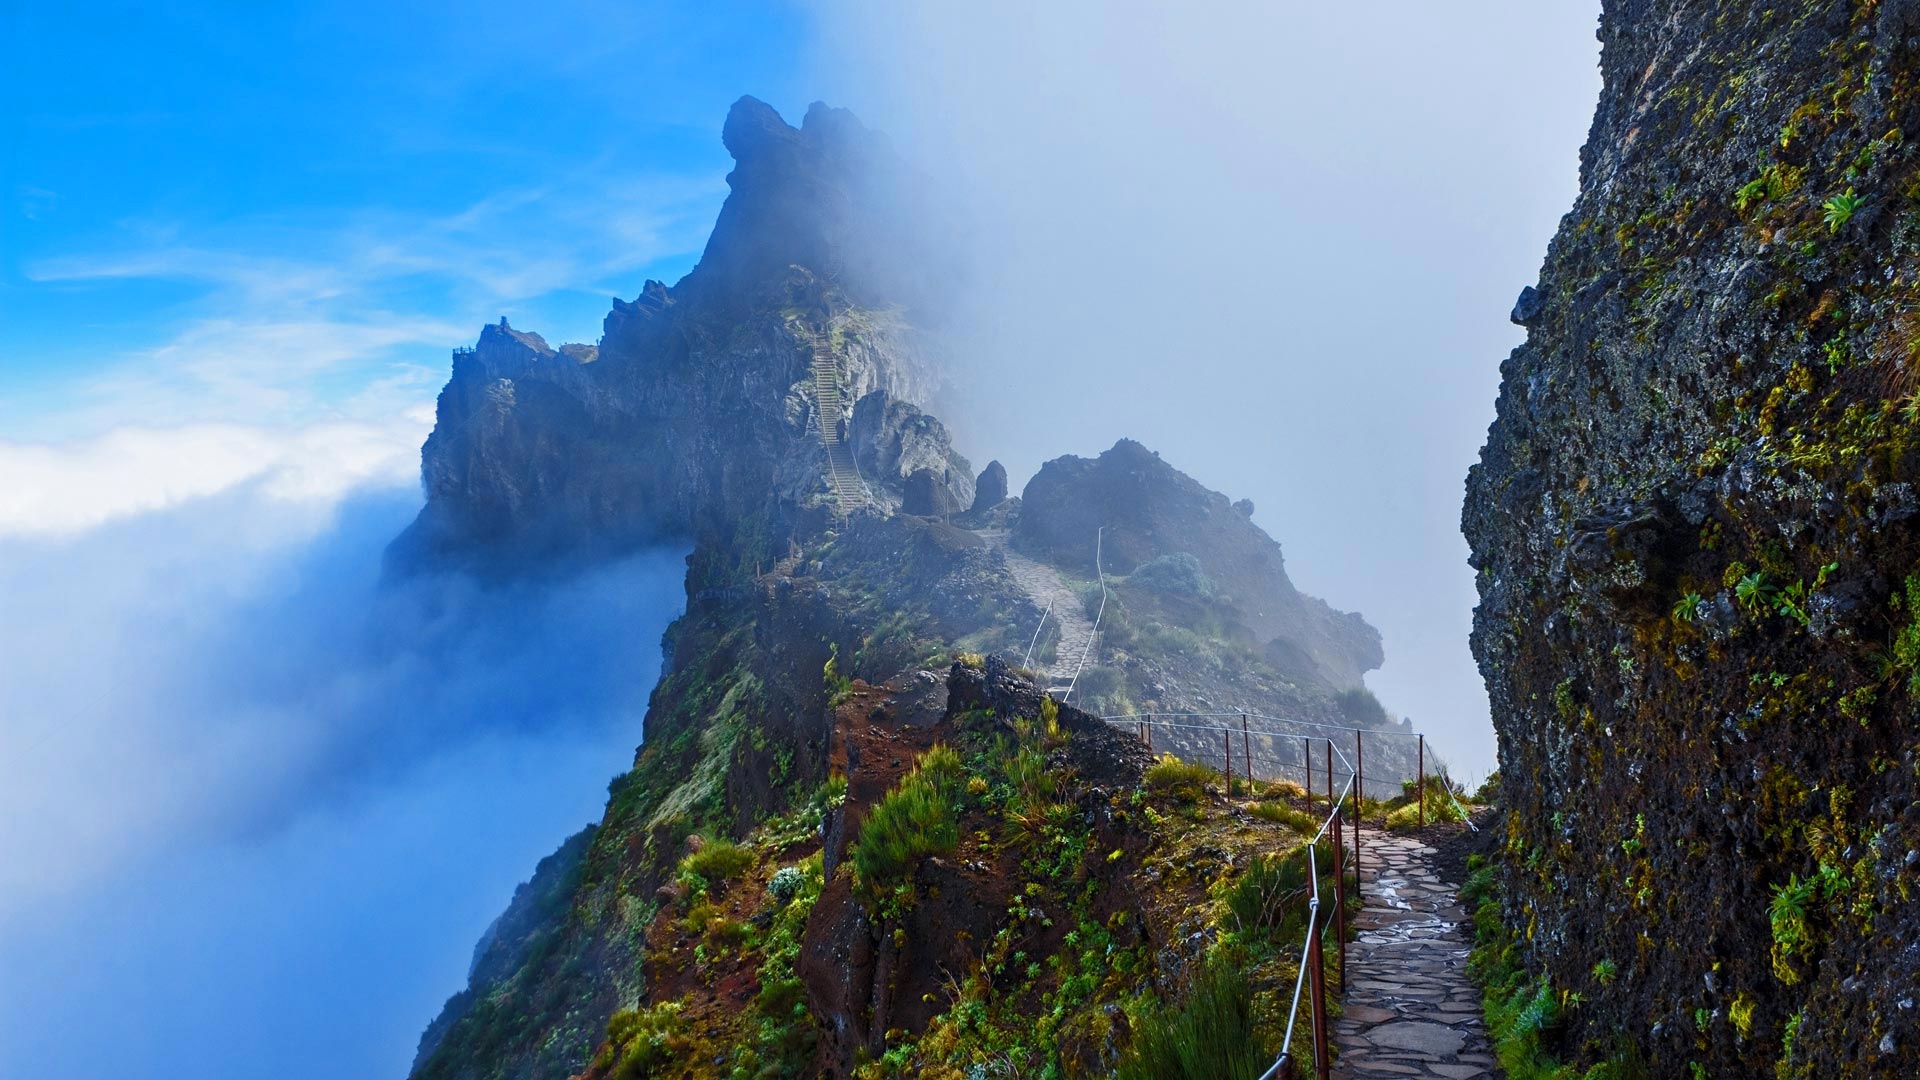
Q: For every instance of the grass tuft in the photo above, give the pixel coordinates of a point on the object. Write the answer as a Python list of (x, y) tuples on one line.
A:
[(1181, 780), (1209, 1035), (914, 820)]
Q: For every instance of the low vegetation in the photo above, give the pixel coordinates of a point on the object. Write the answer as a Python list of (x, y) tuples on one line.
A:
[(1525, 1012), (1438, 800), (916, 819), (1211, 1034), (1184, 781)]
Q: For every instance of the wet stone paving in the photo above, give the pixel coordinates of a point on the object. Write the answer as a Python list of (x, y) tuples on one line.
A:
[(1410, 1010)]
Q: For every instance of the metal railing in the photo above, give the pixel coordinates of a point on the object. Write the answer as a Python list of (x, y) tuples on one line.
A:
[(1312, 961), (1066, 691), (1174, 721), (1027, 661), (1310, 980)]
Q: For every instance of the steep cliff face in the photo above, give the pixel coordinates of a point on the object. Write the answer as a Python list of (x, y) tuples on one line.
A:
[(698, 415), (1694, 525)]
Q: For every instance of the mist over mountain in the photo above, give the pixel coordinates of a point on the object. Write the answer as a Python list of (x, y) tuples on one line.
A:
[(778, 407), (274, 771)]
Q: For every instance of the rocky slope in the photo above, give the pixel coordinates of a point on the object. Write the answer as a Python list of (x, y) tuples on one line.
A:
[(812, 682), (1695, 528), (1149, 508)]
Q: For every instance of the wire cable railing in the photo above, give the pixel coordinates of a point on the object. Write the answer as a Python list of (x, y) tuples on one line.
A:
[(1173, 721), (1310, 979), (1027, 660), (1066, 692)]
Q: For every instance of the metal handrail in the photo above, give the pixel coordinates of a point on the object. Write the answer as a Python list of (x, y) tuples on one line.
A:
[(1027, 661), (1334, 810), (1262, 716), (1153, 719), (1313, 926), (1098, 568)]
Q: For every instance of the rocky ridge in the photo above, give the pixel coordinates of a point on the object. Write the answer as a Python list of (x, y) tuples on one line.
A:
[(814, 669)]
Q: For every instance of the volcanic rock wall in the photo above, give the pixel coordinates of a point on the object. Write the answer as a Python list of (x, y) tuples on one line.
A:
[(1695, 529)]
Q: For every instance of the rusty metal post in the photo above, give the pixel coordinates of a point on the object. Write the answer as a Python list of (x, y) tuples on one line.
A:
[(1227, 736), (1340, 893), (1306, 758), (1329, 776), (1317, 971), (1422, 790), (1149, 733), (1246, 745), (1359, 805)]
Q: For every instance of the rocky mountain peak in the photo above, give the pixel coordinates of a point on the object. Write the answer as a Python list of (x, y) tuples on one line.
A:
[(1150, 510)]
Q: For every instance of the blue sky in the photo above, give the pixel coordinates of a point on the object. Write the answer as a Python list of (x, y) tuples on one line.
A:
[(253, 818), (279, 214)]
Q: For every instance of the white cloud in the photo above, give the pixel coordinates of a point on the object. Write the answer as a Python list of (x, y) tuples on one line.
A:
[(61, 489), (346, 317)]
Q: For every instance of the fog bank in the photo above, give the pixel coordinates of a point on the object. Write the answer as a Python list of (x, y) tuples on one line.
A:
[(1275, 242), (258, 807)]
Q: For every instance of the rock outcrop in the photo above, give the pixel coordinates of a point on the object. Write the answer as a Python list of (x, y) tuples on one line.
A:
[(990, 489), (1696, 536), (696, 418), (909, 452), (1150, 510)]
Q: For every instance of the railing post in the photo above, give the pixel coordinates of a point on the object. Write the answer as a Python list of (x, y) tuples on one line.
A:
[(1330, 806), (1340, 893), (1227, 737), (1317, 970), (1246, 747), (1149, 733), (1306, 758), (1421, 791), (1359, 805)]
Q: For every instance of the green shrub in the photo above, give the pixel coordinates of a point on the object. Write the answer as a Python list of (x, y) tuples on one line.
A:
[(914, 820), (1176, 779), (1178, 573), (640, 1041), (717, 862), (1268, 902), (1360, 708), (1439, 799), (838, 687), (1298, 820), (1840, 209), (1405, 817), (1787, 916), (1027, 773), (1209, 1035), (1489, 790), (1102, 690), (786, 883)]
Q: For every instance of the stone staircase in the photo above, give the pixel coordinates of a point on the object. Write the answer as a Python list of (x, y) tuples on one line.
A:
[(849, 492)]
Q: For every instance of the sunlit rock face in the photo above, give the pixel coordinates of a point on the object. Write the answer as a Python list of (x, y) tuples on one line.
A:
[(698, 411), (1694, 526)]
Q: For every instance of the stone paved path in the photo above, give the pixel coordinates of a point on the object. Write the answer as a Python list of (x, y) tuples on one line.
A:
[(1410, 1011), (1044, 585)]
